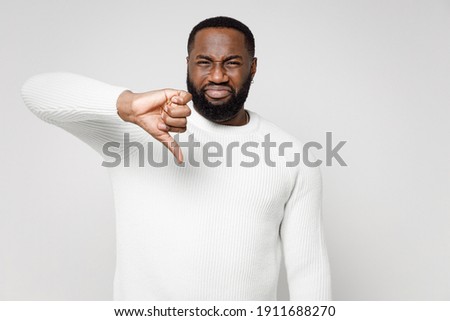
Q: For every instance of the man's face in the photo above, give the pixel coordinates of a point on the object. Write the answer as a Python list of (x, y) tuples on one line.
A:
[(220, 71)]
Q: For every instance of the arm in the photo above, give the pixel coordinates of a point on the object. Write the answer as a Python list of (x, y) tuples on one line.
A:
[(303, 241), (97, 112), (62, 97), (80, 105)]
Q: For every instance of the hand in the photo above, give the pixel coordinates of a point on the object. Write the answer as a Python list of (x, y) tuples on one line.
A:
[(158, 113)]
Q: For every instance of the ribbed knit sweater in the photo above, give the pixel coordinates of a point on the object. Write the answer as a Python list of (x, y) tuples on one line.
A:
[(197, 231)]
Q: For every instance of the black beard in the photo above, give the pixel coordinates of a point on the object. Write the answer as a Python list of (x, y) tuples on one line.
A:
[(218, 112)]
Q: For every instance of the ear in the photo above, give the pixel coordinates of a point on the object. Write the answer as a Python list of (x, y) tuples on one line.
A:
[(253, 66), (187, 59)]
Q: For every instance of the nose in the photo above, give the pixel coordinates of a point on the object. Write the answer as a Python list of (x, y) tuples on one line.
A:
[(218, 73)]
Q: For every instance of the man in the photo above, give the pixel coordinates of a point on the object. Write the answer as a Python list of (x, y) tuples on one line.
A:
[(198, 230)]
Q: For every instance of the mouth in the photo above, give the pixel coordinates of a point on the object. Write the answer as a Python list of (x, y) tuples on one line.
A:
[(217, 92)]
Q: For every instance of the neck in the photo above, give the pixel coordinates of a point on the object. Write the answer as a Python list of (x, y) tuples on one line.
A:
[(240, 119)]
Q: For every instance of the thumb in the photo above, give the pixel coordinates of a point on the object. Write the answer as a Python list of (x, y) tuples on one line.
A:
[(172, 146)]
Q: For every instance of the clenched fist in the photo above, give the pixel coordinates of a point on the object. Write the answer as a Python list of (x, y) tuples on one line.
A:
[(158, 113)]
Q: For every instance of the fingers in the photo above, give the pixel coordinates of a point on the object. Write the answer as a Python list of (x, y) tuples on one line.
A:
[(173, 121), (175, 110), (173, 117), (183, 98), (166, 128), (179, 97)]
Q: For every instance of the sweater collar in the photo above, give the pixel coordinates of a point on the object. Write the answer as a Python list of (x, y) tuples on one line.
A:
[(201, 122)]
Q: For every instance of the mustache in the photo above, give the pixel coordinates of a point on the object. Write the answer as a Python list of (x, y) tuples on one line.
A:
[(213, 86)]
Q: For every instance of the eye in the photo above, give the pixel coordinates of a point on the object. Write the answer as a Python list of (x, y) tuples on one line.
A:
[(233, 63), (203, 62)]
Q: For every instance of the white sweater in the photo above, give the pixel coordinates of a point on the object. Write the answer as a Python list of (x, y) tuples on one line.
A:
[(198, 232)]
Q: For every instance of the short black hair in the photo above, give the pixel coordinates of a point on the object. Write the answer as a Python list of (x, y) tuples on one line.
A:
[(224, 22)]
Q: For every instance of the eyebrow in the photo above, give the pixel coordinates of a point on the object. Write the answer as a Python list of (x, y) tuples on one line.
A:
[(226, 59)]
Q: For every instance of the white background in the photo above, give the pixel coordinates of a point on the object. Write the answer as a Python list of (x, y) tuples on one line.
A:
[(375, 73)]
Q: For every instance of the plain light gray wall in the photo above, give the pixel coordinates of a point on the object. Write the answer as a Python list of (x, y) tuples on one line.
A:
[(375, 73)]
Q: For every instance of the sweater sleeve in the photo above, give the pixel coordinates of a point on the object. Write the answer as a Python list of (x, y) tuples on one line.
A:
[(302, 237), (80, 105)]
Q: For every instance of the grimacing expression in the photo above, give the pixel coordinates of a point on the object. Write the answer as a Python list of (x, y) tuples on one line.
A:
[(220, 71)]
